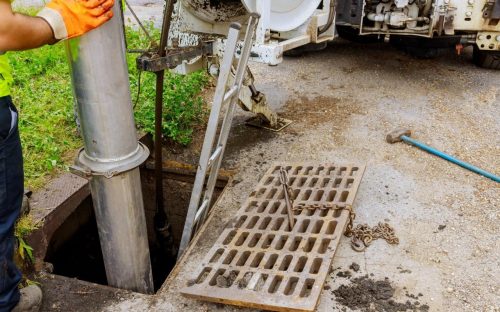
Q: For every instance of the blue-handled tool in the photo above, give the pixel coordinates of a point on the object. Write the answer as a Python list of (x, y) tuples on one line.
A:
[(405, 136)]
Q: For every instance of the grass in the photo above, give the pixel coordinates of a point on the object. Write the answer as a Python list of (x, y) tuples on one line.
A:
[(43, 95), (42, 92)]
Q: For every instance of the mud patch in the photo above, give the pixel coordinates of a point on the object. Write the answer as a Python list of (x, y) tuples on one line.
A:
[(354, 266), (323, 109), (366, 294), (227, 280)]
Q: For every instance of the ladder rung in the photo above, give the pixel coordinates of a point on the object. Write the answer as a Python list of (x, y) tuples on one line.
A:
[(229, 95), (201, 210), (214, 156)]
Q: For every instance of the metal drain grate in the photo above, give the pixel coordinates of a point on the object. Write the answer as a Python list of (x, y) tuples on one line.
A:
[(257, 262)]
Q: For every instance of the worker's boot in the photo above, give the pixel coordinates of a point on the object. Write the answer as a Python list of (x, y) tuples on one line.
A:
[(30, 301)]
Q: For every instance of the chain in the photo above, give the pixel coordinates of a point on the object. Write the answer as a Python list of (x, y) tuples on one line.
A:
[(362, 235), (330, 206)]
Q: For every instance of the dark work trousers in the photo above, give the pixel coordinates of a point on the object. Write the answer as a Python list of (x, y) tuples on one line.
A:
[(11, 197)]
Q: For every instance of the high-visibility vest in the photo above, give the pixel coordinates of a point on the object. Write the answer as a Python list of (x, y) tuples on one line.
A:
[(5, 75)]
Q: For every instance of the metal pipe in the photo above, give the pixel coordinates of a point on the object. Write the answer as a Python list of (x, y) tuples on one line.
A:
[(162, 226), (450, 158), (111, 154)]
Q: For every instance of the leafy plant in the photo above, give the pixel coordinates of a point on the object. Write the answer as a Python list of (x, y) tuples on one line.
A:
[(183, 107), (25, 225)]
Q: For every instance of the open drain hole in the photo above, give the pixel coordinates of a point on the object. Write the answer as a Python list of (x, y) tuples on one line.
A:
[(74, 249)]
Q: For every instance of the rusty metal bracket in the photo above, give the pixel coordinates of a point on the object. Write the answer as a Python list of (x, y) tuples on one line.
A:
[(152, 62)]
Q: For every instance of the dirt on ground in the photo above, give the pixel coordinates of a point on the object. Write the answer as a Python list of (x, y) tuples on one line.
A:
[(364, 293)]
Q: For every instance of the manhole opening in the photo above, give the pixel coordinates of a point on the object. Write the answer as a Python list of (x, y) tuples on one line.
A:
[(75, 252)]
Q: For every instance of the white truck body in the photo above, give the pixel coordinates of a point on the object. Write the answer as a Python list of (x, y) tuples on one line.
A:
[(288, 24)]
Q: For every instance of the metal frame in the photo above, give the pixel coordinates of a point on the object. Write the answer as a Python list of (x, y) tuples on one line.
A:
[(268, 46), (211, 159)]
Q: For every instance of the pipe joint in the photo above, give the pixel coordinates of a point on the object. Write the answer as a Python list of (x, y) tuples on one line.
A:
[(87, 167)]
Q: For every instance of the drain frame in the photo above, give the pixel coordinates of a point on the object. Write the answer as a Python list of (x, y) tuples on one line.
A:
[(258, 262)]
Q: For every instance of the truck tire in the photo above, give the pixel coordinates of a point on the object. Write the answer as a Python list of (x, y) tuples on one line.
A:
[(426, 53), (352, 34), (424, 48), (310, 47), (486, 59)]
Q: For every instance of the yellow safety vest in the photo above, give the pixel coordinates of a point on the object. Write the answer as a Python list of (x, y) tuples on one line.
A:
[(5, 76)]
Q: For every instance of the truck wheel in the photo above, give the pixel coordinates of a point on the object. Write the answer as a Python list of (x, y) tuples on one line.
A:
[(426, 53), (423, 48), (311, 47), (486, 59), (352, 34)]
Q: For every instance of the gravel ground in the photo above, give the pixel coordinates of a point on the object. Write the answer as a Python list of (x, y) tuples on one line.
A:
[(344, 100)]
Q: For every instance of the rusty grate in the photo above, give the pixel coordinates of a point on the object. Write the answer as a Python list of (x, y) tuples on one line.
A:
[(258, 262)]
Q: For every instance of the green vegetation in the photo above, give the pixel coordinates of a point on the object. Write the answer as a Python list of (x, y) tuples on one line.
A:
[(183, 107), (42, 92), (25, 225)]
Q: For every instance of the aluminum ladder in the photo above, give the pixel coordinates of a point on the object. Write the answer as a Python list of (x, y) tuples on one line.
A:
[(210, 158)]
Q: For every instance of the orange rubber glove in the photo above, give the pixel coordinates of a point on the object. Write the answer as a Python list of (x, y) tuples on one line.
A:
[(73, 18)]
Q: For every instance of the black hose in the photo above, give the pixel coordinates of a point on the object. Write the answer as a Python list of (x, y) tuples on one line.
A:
[(331, 18), (162, 226)]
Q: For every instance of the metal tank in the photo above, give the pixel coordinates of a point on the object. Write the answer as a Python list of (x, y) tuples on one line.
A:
[(285, 15)]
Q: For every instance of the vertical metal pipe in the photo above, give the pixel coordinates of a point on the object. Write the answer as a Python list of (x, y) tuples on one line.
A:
[(161, 223), (111, 154)]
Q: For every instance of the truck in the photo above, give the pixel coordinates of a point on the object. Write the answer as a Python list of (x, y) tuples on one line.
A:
[(420, 26)]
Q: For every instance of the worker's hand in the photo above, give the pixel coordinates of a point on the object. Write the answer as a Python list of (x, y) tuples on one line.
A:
[(73, 18)]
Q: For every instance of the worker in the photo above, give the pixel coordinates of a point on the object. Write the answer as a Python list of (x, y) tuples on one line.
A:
[(59, 20)]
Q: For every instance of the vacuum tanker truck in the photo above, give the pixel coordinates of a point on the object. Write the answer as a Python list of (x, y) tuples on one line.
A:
[(290, 24)]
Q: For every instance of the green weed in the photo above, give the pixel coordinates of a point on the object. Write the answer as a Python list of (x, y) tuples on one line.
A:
[(183, 107), (25, 225)]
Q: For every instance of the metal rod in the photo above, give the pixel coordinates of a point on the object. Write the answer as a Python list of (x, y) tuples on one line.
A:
[(289, 204), (146, 32), (450, 158), (161, 224), (160, 216), (111, 153), (165, 30)]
